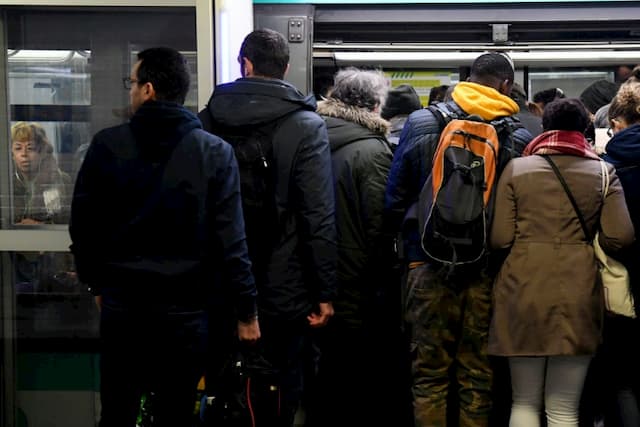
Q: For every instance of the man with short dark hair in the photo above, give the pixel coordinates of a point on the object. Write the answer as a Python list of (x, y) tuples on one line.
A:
[(448, 311), (157, 232), (292, 242)]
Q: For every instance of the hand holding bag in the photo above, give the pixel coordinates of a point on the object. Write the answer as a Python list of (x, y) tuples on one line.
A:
[(613, 274)]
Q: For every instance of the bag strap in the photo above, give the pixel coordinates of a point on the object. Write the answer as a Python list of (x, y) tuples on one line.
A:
[(569, 194), (605, 179), (443, 114)]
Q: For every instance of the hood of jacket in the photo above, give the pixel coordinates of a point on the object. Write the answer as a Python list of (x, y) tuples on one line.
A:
[(346, 123), (624, 147), (158, 126), (483, 101), (252, 101)]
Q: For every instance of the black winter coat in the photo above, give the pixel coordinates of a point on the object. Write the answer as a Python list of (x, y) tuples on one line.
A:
[(301, 269), (156, 216)]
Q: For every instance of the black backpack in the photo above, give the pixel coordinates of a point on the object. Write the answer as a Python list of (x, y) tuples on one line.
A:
[(456, 202), (253, 147)]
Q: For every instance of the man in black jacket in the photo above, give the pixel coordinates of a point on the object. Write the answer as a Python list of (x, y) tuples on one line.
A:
[(157, 230), (295, 266)]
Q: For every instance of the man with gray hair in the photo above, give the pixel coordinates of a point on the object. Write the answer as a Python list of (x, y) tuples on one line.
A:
[(350, 353), (448, 312)]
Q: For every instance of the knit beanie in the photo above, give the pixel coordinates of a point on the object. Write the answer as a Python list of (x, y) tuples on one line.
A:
[(400, 100), (597, 94)]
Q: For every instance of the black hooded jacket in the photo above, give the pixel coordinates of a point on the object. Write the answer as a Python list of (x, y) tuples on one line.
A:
[(156, 216), (301, 266)]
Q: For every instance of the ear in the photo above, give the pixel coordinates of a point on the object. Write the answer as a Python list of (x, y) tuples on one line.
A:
[(505, 87), (148, 92), (248, 67), (286, 70)]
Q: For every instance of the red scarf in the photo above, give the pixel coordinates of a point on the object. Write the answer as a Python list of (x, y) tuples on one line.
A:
[(560, 142)]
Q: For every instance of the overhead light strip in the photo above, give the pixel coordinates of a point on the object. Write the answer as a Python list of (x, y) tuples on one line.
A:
[(585, 57), (386, 47)]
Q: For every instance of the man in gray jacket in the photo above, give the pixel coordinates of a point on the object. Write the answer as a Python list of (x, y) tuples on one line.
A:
[(292, 240)]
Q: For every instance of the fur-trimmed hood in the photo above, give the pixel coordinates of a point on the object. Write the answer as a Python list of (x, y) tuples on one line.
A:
[(334, 108)]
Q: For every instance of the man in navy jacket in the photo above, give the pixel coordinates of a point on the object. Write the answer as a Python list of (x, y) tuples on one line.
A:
[(157, 231), (447, 313)]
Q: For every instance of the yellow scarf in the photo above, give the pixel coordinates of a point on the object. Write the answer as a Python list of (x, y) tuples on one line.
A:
[(484, 101)]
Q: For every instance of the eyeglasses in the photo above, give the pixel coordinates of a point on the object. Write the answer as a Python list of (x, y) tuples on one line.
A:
[(128, 81)]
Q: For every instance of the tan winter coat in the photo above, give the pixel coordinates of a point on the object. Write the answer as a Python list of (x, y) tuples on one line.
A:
[(547, 299)]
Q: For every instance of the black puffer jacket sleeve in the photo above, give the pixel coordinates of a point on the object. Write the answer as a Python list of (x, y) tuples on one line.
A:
[(313, 186)]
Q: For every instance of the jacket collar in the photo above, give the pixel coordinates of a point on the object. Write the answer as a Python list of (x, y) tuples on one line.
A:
[(483, 101), (334, 108)]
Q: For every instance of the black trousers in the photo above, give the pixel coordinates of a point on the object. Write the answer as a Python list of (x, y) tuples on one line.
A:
[(286, 345), (155, 352)]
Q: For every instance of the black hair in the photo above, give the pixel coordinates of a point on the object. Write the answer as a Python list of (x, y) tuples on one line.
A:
[(167, 70), (597, 94), (491, 66), (565, 114), (268, 51), (400, 100), (437, 93), (546, 96)]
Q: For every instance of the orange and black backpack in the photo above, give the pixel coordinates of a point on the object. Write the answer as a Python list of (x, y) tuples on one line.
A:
[(456, 202)]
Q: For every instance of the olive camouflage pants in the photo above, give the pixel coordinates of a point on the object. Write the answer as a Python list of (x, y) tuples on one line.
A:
[(448, 321)]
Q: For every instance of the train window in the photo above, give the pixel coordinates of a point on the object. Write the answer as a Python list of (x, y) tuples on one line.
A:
[(571, 81), (64, 69), (423, 80)]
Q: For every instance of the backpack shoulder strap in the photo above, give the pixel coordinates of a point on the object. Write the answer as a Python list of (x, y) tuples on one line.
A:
[(508, 123), (442, 113)]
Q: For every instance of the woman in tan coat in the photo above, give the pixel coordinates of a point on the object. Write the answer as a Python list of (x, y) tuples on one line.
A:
[(548, 301)]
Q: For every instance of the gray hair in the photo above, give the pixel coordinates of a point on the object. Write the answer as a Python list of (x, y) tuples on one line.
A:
[(360, 88)]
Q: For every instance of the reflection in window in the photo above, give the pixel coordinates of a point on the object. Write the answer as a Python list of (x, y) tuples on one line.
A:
[(50, 301), (53, 89)]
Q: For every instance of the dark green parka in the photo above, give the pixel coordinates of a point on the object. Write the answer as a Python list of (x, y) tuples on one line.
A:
[(361, 158)]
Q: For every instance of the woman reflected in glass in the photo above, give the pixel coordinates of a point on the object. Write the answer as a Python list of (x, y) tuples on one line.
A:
[(40, 188)]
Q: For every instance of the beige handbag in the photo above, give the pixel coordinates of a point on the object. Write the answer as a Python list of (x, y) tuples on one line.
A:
[(615, 277)]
